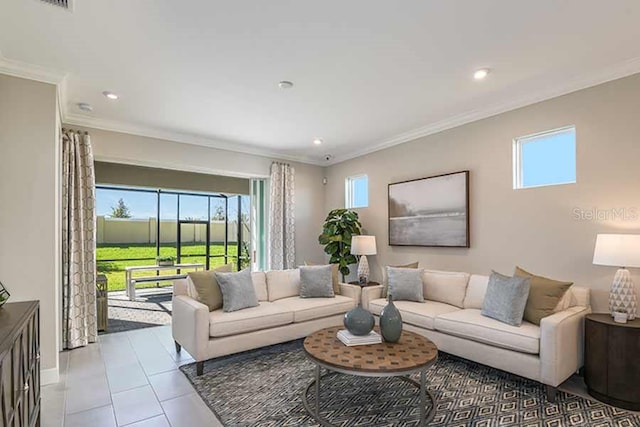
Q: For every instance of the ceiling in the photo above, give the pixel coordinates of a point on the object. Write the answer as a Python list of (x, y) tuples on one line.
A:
[(368, 73)]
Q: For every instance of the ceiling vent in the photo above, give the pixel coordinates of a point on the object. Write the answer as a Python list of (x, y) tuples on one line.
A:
[(65, 4)]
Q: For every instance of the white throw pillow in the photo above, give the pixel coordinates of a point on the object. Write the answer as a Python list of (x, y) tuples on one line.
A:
[(283, 284), (260, 283), (476, 291), (445, 286)]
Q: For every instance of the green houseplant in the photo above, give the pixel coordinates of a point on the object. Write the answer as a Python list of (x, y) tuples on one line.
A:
[(165, 261), (337, 230)]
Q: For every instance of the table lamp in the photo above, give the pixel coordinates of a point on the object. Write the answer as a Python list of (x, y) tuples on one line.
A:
[(363, 246), (620, 250)]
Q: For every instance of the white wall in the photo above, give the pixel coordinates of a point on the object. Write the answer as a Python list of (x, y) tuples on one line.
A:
[(533, 228), (29, 193), (131, 149)]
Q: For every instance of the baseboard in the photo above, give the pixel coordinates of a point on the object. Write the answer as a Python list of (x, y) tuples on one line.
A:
[(49, 376)]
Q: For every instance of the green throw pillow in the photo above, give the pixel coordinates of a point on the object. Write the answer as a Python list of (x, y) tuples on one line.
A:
[(207, 287), (544, 295)]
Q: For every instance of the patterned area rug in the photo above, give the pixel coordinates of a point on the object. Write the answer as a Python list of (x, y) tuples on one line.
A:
[(144, 312), (262, 388)]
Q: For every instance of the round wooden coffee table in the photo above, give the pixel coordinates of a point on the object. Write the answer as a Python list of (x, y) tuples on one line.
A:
[(412, 353)]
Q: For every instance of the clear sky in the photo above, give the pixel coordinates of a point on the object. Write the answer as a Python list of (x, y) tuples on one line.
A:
[(144, 205), (361, 192), (549, 160)]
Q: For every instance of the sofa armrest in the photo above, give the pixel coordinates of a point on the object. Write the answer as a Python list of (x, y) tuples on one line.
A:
[(369, 293), (562, 344), (351, 291), (190, 325), (180, 287)]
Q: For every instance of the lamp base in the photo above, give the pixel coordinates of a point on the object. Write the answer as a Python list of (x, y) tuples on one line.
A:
[(622, 296), (363, 269)]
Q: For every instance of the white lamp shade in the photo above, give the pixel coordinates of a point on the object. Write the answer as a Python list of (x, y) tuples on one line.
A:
[(617, 250), (363, 245)]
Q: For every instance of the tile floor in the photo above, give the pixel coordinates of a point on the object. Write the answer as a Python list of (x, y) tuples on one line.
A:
[(126, 379), (132, 379)]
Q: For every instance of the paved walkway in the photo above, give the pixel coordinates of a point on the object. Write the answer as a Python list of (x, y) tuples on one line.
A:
[(151, 308)]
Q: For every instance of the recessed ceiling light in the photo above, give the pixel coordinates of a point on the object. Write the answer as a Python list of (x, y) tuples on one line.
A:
[(317, 141), (285, 84), (85, 107), (110, 95), (481, 74)]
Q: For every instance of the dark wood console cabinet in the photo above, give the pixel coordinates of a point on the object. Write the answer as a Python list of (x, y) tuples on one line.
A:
[(20, 364), (611, 368)]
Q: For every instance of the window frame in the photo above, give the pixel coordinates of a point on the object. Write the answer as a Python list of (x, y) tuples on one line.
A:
[(517, 156), (349, 191)]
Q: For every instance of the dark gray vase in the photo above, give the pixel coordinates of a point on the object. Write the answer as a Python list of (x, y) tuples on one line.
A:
[(359, 321), (390, 322)]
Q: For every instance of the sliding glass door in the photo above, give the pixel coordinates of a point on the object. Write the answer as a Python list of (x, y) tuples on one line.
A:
[(137, 225)]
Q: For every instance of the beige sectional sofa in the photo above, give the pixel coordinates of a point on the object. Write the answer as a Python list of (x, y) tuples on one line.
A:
[(451, 317), (281, 316)]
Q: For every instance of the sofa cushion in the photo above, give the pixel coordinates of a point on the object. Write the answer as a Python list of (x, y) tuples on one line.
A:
[(265, 315), (316, 281), (260, 284), (476, 289), (405, 284), (445, 286), (203, 286), (283, 284), (471, 324), (237, 290), (506, 298), (415, 313), (544, 295), (385, 280), (315, 308), (335, 276)]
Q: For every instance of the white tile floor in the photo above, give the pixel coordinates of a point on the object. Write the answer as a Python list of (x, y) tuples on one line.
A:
[(127, 378)]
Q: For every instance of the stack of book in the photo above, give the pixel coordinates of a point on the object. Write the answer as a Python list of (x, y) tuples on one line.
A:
[(349, 339)]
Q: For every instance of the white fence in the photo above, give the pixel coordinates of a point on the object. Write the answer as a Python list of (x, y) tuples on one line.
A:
[(131, 230)]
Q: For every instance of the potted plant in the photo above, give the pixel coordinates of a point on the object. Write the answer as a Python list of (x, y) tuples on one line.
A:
[(339, 226), (165, 261)]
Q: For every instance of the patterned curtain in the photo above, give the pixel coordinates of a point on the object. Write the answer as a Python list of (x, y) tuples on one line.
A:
[(282, 221), (78, 241)]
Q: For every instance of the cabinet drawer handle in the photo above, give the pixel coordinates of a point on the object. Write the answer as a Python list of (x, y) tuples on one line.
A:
[(26, 387)]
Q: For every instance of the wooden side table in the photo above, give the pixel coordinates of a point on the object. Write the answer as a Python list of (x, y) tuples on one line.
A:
[(365, 284), (612, 351)]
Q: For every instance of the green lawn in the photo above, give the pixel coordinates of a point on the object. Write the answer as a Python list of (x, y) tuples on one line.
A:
[(110, 260)]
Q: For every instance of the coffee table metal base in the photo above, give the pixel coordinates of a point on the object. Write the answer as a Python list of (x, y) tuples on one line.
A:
[(314, 410)]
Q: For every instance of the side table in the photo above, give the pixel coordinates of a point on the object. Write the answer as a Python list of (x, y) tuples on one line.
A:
[(365, 284), (612, 371)]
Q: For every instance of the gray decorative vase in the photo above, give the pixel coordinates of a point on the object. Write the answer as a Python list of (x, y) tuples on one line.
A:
[(390, 322), (359, 321)]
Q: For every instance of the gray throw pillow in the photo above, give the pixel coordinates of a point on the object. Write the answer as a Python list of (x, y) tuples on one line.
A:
[(405, 284), (316, 281), (506, 298), (237, 290)]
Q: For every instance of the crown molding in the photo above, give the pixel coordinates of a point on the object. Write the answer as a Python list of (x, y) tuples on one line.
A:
[(583, 81), (172, 136), (30, 71)]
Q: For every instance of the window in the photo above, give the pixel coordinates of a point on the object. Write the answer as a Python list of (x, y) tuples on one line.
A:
[(357, 192), (547, 158)]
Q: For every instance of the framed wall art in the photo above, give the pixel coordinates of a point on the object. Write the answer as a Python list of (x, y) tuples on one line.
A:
[(432, 211)]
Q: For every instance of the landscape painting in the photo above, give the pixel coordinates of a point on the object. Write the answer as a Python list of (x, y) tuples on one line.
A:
[(430, 211)]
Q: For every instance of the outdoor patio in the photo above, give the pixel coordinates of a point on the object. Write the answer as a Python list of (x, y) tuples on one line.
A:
[(152, 307)]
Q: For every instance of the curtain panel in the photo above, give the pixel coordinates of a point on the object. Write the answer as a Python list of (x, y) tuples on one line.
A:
[(282, 222), (78, 241)]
